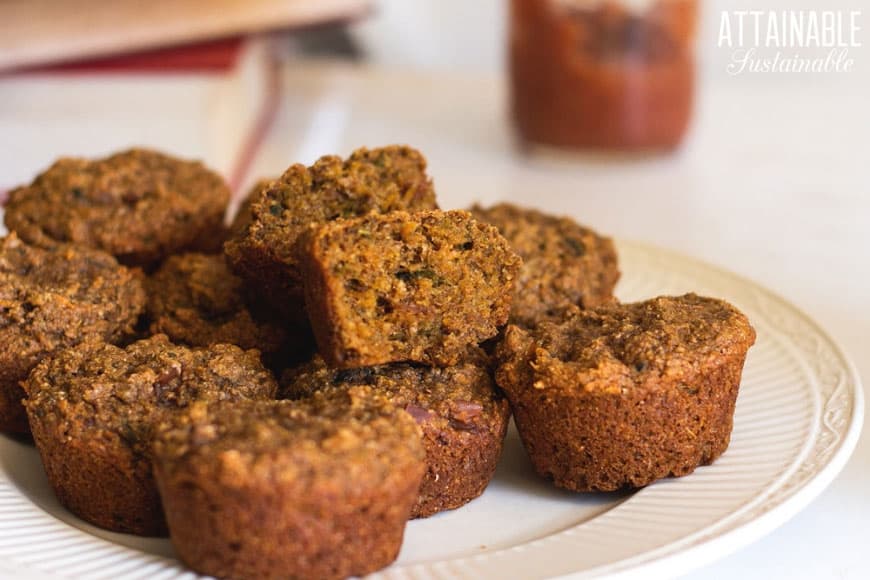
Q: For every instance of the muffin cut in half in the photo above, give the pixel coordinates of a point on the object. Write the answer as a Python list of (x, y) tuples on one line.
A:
[(622, 395), (52, 299), (423, 287), (462, 416), (262, 248), (93, 408), (319, 488)]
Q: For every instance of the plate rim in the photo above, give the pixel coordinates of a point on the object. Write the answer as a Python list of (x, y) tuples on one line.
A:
[(674, 558), (667, 560), (731, 540)]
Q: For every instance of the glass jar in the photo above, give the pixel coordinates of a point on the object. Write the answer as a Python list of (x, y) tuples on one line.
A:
[(602, 74)]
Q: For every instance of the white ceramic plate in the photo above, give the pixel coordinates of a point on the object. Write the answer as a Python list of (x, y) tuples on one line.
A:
[(798, 417)]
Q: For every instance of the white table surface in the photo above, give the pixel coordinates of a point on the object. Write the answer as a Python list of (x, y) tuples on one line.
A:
[(773, 183)]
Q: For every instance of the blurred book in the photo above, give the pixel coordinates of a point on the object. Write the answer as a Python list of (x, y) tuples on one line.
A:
[(196, 78), (211, 102), (35, 32)]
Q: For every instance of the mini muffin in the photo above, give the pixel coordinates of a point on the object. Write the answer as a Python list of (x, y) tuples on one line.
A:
[(564, 264), (92, 410), (195, 299), (52, 299), (138, 205), (463, 419), (622, 395), (319, 488), (369, 181), (422, 287)]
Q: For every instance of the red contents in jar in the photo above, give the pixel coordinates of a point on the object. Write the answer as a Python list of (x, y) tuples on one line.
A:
[(599, 75)]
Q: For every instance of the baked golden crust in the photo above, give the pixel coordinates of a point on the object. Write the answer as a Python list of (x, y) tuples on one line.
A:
[(138, 205), (52, 299), (319, 488), (195, 299), (564, 264), (92, 410), (424, 287), (462, 416), (244, 213), (605, 395), (623, 395), (369, 181)]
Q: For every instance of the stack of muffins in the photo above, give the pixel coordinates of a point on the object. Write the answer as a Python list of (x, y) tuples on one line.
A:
[(146, 339)]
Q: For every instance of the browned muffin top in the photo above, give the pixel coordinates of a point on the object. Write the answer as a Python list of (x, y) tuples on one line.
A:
[(564, 264), (138, 205), (460, 396), (346, 438), (123, 391), (58, 297), (370, 180), (617, 347), (195, 299)]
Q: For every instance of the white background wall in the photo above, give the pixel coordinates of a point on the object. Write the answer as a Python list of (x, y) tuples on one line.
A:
[(469, 35), (785, 154)]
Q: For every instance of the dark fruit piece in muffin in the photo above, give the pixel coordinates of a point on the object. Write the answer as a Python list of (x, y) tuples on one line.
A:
[(423, 287)]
